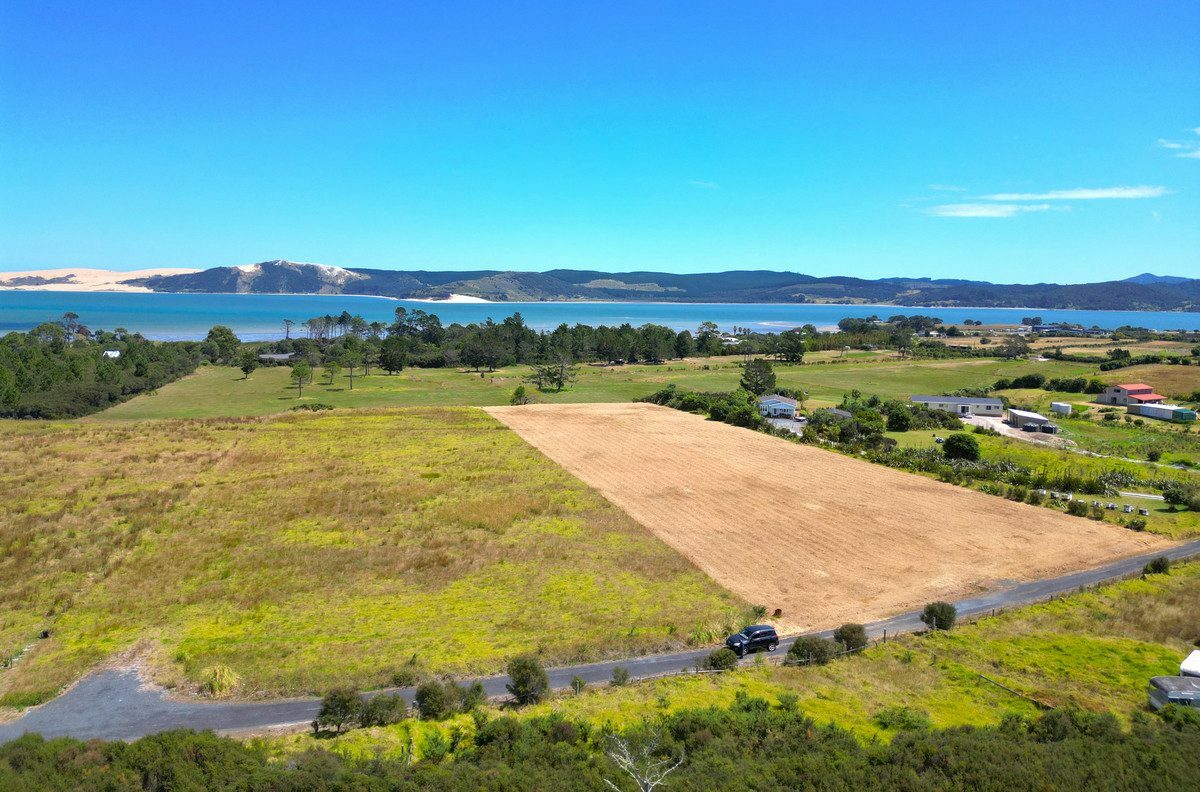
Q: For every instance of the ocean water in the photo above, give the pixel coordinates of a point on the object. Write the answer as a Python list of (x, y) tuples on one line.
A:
[(260, 316)]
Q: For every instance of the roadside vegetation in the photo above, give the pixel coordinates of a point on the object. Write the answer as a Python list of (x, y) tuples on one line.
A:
[(912, 714), (1094, 650), (286, 555)]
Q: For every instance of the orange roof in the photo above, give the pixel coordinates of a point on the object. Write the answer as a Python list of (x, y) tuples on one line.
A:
[(1132, 386), (1146, 397)]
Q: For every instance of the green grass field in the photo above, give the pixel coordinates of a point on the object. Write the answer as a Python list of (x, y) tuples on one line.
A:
[(220, 391), (313, 550), (1095, 649)]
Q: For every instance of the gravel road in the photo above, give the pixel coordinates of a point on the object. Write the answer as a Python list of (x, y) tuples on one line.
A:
[(116, 705)]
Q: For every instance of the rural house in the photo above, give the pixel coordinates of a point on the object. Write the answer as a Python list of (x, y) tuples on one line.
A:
[(961, 405), (775, 406), (1130, 393)]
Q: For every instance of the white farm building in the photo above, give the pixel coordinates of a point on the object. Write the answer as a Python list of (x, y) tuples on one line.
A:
[(960, 405), (775, 406)]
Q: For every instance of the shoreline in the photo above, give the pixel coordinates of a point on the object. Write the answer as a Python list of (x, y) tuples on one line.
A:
[(467, 299)]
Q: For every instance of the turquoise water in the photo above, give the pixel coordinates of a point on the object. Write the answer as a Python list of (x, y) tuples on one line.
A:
[(260, 316)]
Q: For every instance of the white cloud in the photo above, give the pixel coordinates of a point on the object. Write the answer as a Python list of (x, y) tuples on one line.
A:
[(947, 188), (1082, 194), (985, 209), (704, 185), (1188, 149)]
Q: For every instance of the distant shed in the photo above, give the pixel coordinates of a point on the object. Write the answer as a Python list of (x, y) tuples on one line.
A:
[(1020, 418)]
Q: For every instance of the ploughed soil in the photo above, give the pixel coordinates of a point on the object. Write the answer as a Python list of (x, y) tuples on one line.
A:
[(824, 537)]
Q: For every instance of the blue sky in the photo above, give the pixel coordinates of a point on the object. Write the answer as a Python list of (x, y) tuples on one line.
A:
[(1001, 141)]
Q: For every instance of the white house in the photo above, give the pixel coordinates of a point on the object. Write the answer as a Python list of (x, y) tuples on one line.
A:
[(112, 353), (961, 405), (775, 406)]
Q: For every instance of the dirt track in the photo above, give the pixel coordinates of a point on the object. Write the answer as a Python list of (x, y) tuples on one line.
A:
[(825, 537)]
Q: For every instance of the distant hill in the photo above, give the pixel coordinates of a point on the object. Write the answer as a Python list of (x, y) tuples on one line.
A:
[(1150, 278), (1142, 292)]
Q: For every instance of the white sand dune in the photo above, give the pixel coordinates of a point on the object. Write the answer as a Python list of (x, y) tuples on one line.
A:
[(82, 279)]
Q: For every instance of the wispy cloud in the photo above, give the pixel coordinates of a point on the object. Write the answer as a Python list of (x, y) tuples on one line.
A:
[(1082, 194), (704, 185), (947, 188), (985, 209), (1186, 149)]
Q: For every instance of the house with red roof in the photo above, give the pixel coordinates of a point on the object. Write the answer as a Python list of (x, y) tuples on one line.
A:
[(1130, 393)]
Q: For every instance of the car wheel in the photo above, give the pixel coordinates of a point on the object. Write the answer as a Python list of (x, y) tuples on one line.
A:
[(773, 646)]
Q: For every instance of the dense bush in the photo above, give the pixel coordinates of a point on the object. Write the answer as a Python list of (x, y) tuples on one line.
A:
[(60, 370), (528, 682), (852, 636), (939, 615), (382, 710), (340, 708), (813, 650), (961, 445), (723, 659), (1063, 749), (1158, 566)]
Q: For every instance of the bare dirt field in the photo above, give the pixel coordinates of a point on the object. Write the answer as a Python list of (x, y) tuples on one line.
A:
[(825, 537)]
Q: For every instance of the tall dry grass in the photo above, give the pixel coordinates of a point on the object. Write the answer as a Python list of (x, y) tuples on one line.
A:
[(304, 551)]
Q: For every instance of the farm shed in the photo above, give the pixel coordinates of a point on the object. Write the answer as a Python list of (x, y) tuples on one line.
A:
[(1163, 412), (1019, 418), (961, 405), (1060, 408)]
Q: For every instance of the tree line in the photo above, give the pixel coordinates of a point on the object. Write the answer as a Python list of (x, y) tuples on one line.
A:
[(756, 743), (63, 369)]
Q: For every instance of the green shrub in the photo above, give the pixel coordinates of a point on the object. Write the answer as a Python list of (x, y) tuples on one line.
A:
[(812, 650), (1159, 566), (723, 659), (939, 615), (434, 701), (620, 676), (528, 682), (1078, 508), (852, 636), (383, 710), (961, 445), (340, 708), (1136, 524)]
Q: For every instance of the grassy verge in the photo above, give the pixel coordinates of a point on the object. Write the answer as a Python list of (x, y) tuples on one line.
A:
[(221, 391), (1095, 649), (317, 549)]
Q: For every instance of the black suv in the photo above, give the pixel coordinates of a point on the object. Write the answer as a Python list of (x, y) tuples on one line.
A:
[(753, 639)]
